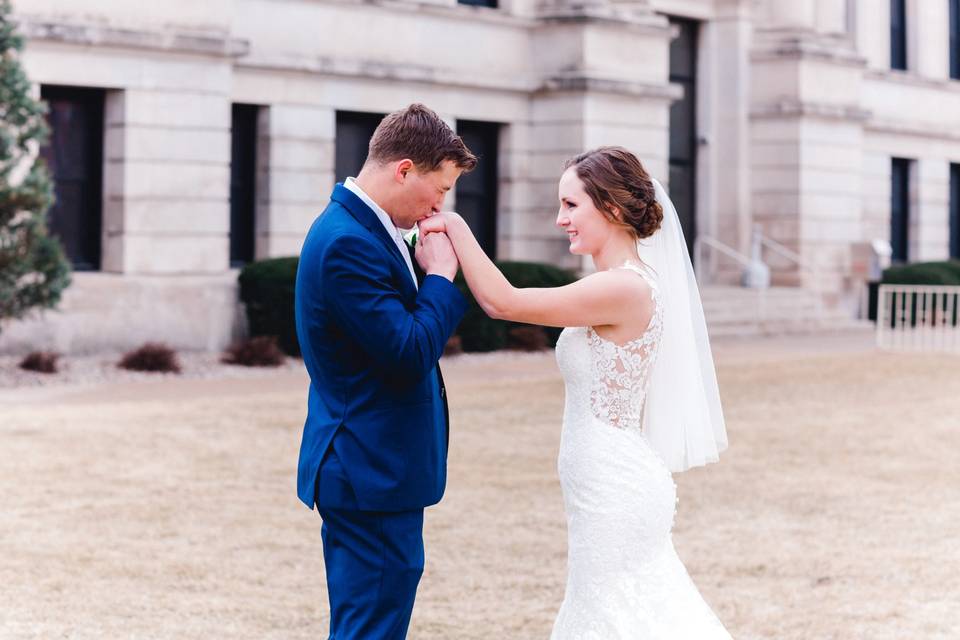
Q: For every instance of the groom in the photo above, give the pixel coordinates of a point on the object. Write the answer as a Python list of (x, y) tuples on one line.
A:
[(374, 446)]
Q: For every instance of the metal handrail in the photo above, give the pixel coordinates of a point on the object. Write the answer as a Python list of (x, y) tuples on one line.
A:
[(713, 243), (730, 252), (778, 248), (795, 257), (744, 260)]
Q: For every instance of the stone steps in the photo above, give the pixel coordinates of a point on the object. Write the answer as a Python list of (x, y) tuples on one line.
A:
[(737, 311)]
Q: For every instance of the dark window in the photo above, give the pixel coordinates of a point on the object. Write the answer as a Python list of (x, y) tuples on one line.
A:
[(477, 190), (354, 131), (480, 3), (900, 209), (74, 155), (683, 127), (955, 211), (243, 180), (955, 39), (898, 34)]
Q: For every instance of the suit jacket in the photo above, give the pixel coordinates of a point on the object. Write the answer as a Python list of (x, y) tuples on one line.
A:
[(376, 433)]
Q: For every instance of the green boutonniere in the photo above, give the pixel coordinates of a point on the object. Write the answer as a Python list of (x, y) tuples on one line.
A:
[(411, 237)]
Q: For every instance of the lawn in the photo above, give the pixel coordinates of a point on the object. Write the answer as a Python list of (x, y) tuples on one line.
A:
[(168, 510)]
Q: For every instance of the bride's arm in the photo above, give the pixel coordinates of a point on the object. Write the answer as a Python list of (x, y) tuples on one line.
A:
[(599, 299)]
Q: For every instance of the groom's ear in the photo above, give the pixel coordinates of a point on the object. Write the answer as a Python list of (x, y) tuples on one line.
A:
[(402, 168)]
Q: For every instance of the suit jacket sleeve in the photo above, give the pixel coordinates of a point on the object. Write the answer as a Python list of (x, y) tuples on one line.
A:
[(360, 292)]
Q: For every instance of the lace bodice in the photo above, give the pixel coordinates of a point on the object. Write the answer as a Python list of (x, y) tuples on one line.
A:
[(621, 371)]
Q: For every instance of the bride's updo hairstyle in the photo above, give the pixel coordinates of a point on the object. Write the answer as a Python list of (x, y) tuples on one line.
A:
[(617, 182)]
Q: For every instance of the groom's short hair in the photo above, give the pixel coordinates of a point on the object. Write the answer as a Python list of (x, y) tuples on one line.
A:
[(419, 134)]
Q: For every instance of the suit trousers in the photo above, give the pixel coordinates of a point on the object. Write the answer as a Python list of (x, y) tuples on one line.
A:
[(374, 560)]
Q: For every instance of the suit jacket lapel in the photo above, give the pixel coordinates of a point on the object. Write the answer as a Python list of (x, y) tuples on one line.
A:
[(365, 216)]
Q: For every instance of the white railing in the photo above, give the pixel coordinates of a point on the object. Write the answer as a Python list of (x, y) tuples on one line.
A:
[(918, 318)]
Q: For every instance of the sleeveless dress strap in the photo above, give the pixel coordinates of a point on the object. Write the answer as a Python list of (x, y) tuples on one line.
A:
[(642, 270)]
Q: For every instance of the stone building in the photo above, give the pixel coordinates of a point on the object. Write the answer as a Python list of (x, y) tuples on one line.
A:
[(192, 137)]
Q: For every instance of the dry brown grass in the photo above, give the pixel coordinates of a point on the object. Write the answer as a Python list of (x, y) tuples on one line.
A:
[(167, 509)]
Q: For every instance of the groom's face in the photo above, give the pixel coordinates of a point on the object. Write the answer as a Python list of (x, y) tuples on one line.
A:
[(421, 194)]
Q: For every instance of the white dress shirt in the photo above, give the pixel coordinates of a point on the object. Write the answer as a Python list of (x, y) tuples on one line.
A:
[(391, 228)]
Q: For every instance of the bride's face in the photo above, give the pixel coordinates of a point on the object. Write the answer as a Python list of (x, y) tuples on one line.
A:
[(587, 228)]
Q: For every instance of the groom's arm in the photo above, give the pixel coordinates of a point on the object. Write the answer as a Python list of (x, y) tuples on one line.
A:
[(359, 290)]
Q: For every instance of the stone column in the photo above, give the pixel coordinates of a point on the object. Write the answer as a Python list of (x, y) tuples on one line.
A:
[(831, 16), (929, 52), (166, 182), (295, 174), (588, 97), (723, 202), (929, 211), (872, 32), (875, 215), (790, 14), (520, 196), (807, 138)]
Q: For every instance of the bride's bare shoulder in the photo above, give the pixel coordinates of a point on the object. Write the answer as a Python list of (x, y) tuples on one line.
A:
[(633, 293), (630, 284)]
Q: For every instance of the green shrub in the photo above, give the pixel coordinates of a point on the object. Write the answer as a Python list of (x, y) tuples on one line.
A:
[(453, 347), (40, 362), (153, 357), (479, 332), (259, 351), (527, 338), (267, 290), (934, 273)]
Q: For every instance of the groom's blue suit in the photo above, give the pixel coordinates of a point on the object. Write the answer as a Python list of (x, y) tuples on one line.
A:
[(374, 446)]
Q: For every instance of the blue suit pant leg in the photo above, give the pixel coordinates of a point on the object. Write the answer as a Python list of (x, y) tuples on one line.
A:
[(374, 561)]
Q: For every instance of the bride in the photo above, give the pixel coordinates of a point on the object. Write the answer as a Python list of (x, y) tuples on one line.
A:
[(641, 396)]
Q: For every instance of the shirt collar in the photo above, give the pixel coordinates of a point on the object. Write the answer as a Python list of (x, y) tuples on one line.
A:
[(384, 217)]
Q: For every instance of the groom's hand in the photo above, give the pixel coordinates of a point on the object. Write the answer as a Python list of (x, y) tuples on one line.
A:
[(436, 256)]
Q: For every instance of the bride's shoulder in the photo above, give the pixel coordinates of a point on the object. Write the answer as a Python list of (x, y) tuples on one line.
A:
[(624, 283)]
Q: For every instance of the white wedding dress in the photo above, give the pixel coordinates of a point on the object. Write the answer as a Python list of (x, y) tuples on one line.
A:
[(625, 580)]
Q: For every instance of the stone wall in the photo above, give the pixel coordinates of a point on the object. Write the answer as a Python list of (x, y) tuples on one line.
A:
[(797, 118)]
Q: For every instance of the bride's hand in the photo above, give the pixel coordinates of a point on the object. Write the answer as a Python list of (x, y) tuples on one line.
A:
[(440, 222), (437, 223)]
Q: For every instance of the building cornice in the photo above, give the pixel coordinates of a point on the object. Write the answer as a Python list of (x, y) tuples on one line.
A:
[(424, 74), (641, 23), (381, 70), (911, 79), (444, 9), (931, 131), (853, 115), (167, 41), (581, 82), (792, 44), (806, 109)]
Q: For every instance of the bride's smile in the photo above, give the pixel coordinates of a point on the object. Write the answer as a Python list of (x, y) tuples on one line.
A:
[(601, 232)]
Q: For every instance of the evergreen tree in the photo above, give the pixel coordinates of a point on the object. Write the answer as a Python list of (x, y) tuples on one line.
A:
[(33, 268)]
